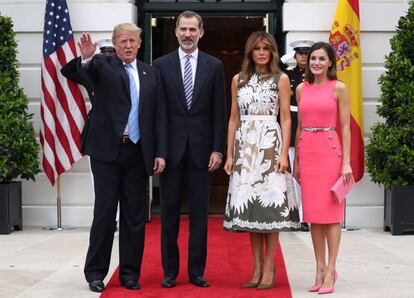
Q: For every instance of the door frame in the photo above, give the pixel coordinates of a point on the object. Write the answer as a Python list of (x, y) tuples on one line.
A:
[(272, 10)]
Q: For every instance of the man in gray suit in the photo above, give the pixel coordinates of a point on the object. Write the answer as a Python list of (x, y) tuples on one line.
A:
[(194, 87)]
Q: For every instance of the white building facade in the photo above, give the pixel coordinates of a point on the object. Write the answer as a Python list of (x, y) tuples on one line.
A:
[(300, 20)]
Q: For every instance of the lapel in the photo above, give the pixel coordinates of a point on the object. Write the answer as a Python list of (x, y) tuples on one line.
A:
[(201, 74), (121, 69), (177, 77), (143, 77)]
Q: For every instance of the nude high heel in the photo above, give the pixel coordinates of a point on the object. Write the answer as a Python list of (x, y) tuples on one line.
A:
[(268, 286)]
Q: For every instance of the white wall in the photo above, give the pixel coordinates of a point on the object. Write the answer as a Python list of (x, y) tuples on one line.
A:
[(302, 19)]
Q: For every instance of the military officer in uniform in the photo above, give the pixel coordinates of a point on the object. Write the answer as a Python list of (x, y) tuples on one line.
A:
[(296, 76)]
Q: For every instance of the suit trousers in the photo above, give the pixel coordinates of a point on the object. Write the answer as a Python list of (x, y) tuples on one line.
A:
[(124, 180), (198, 182)]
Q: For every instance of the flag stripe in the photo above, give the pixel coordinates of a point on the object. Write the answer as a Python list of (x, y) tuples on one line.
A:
[(345, 39), (357, 149), (355, 6), (62, 95), (78, 99), (63, 110), (57, 113), (47, 167), (54, 133)]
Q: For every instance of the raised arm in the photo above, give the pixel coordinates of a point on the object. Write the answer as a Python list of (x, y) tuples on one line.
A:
[(86, 46)]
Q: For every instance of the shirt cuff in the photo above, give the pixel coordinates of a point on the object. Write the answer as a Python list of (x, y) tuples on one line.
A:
[(85, 62), (219, 153)]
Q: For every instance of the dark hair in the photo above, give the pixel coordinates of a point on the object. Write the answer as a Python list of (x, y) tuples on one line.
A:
[(248, 65), (190, 14), (309, 77)]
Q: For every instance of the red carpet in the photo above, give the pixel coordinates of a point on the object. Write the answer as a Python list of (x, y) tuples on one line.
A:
[(229, 265)]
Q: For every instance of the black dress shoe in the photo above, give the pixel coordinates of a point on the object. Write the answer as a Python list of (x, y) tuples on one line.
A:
[(199, 281), (168, 282), (131, 285), (97, 286)]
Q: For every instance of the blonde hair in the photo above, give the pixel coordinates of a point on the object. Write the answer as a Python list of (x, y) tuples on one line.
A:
[(128, 27)]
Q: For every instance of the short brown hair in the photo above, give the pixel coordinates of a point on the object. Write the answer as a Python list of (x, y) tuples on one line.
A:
[(190, 14)]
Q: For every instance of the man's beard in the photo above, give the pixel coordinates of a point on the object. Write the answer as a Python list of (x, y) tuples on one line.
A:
[(188, 44)]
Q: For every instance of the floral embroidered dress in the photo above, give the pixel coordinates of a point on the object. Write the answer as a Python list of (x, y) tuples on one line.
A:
[(259, 198)]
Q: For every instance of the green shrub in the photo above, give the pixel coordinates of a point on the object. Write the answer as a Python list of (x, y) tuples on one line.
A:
[(390, 152), (18, 146)]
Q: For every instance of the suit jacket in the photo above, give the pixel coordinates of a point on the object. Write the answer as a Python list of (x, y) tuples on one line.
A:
[(203, 127), (72, 72), (111, 108)]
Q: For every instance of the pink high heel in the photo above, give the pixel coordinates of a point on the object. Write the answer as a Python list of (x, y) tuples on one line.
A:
[(331, 289), (315, 288)]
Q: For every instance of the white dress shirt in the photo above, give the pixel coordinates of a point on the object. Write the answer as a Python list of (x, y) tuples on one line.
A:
[(193, 61)]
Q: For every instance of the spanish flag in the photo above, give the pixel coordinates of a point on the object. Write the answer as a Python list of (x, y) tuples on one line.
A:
[(344, 38)]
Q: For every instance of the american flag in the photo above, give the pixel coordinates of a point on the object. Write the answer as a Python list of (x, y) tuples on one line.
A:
[(62, 109)]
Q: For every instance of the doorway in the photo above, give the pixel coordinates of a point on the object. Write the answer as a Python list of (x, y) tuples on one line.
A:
[(224, 38)]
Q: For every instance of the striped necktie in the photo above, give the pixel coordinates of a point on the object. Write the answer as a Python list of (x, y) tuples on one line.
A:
[(188, 82), (133, 130)]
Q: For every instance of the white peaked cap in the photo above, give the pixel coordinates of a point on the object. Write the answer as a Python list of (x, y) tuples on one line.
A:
[(297, 45), (303, 44), (105, 44)]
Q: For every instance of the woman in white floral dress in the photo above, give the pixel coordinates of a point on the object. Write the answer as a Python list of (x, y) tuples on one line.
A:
[(261, 197)]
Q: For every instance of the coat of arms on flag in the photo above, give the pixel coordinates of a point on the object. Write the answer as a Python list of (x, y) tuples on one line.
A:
[(344, 44)]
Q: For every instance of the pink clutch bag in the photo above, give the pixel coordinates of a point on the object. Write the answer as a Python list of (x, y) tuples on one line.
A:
[(340, 189)]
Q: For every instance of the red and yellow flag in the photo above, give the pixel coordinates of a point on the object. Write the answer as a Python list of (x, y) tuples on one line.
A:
[(345, 40)]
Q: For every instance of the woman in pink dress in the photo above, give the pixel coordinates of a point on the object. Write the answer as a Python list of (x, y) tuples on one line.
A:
[(322, 157)]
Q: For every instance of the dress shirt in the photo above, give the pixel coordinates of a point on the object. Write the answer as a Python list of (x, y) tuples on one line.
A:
[(193, 61)]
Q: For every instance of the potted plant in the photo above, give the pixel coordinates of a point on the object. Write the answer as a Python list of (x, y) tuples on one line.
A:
[(390, 152), (18, 146)]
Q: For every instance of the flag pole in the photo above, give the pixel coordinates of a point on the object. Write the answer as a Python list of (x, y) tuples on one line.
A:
[(59, 226)]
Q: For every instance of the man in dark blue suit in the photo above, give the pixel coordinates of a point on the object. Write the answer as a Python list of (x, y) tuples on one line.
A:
[(194, 86), (126, 141), (72, 72)]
